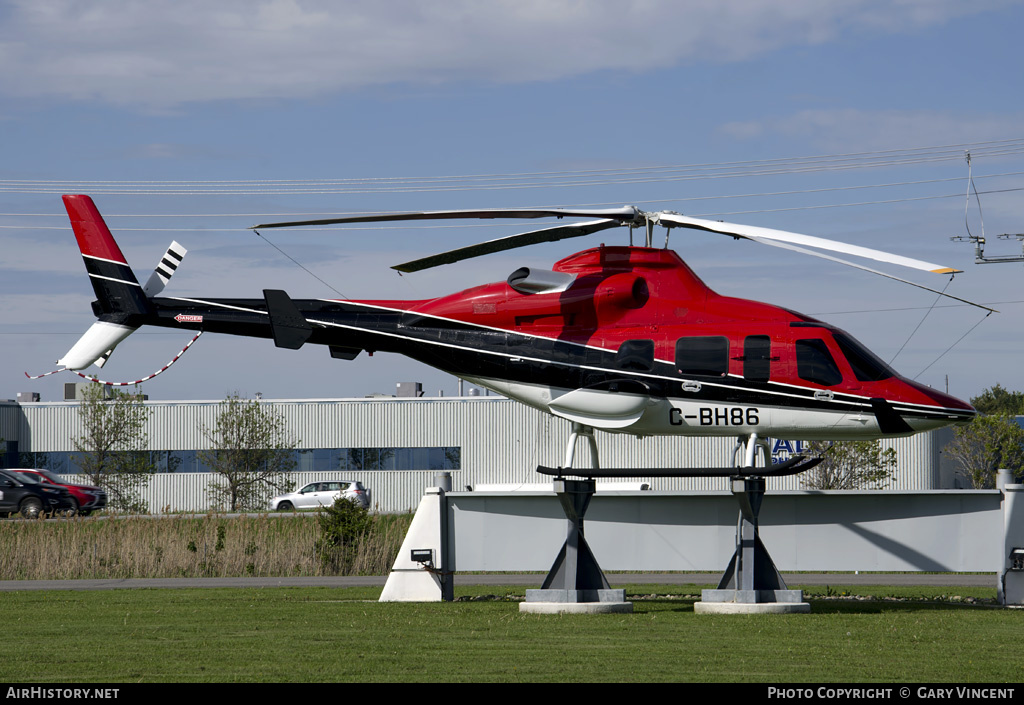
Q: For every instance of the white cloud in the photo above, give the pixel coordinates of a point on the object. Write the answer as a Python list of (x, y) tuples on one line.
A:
[(161, 53)]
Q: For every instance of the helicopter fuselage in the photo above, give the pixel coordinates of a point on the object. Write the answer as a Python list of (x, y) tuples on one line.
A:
[(625, 339)]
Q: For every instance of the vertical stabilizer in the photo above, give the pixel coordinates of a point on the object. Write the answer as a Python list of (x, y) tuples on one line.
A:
[(120, 302), (119, 296)]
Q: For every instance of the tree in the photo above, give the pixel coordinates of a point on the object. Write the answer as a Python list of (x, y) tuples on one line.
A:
[(251, 451), (850, 465), (113, 450), (996, 400), (343, 526), (985, 445)]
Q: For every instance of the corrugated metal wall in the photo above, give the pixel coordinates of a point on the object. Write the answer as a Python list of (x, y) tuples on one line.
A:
[(501, 441)]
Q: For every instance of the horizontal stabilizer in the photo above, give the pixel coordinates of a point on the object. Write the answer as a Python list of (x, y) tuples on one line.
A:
[(290, 328)]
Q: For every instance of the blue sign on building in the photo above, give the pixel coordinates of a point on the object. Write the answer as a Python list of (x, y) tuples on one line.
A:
[(783, 450)]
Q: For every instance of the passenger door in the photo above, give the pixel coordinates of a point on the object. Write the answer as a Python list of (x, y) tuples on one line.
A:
[(757, 358), (307, 496)]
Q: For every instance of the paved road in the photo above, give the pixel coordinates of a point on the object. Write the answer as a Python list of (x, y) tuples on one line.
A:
[(518, 580)]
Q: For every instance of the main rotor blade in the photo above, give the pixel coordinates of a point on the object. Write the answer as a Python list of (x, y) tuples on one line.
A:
[(560, 232), (812, 253), (751, 232), (623, 215)]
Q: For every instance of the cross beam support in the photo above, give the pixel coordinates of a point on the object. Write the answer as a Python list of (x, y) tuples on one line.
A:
[(751, 583), (576, 582)]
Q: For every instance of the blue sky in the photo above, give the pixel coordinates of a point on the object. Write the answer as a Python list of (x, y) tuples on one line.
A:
[(364, 106)]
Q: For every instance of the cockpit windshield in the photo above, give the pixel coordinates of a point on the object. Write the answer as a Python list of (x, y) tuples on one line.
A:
[(867, 367)]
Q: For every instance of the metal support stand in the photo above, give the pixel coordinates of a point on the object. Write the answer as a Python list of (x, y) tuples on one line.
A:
[(576, 582), (751, 583)]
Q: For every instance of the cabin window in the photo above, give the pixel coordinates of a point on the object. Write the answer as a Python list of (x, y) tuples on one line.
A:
[(703, 356), (635, 355), (815, 363), (757, 356), (865, 364)]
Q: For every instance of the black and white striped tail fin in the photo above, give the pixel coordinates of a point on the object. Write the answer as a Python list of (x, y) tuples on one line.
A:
[(164, 269)]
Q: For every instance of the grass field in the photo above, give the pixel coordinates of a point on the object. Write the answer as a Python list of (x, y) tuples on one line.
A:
[(325, 635)]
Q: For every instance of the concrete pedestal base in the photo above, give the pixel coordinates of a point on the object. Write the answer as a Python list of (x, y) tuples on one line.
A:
[(576, 607), (751, 602), (751, 607), (556, 601)]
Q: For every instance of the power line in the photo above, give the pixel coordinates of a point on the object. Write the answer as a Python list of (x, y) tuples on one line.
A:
[(529, 180), (538, 222), (686, 199), (945, 151)]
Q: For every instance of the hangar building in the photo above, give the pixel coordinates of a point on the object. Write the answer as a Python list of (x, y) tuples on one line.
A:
[(396, 446)]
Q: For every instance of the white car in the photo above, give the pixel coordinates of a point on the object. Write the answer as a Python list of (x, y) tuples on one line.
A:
[(321, 494)]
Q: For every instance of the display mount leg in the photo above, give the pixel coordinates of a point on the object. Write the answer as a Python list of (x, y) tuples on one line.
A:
[(576, 581), (751, 582), (575, 570)]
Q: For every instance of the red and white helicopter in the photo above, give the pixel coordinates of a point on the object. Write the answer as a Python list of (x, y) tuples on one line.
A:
[(624, 339)]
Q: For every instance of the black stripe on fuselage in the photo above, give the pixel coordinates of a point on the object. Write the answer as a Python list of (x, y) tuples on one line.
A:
[(466, 349)]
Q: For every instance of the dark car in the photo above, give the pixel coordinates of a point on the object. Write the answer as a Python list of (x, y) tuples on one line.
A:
[(85, 498), (29, 497)]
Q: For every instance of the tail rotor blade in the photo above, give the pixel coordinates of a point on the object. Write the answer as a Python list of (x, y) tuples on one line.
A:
[(102, 359), (164, 269)]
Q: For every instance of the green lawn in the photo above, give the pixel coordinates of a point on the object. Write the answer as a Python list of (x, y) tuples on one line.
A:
[(323, 634)]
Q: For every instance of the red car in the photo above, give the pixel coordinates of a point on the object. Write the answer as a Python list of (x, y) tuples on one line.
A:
[(87, 498)]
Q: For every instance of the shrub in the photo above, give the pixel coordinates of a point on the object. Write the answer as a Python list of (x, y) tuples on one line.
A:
[(343, 527)]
